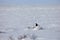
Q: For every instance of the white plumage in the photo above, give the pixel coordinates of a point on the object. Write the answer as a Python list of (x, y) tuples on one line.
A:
[(35, 27)]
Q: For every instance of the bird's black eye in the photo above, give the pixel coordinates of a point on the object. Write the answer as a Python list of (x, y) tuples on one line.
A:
[(36, 24)]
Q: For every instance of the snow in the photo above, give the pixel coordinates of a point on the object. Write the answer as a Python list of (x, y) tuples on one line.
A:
[(15, 20)]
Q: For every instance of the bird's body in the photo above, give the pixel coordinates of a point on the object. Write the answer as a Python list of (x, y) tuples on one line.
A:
[(35, 27)]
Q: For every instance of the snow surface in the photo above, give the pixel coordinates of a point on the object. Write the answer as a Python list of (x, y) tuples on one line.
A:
[(15, 20)]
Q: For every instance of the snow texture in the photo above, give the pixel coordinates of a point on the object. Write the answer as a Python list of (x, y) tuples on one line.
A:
[(14, 21)]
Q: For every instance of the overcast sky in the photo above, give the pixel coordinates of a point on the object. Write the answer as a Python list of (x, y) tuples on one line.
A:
[(30, 2)]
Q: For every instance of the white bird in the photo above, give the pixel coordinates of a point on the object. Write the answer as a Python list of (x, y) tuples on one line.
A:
[(35, 27)]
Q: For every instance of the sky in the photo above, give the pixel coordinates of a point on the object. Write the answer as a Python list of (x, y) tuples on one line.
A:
[(29, 2)]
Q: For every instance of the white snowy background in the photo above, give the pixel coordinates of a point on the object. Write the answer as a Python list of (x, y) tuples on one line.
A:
[(15, 19)]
